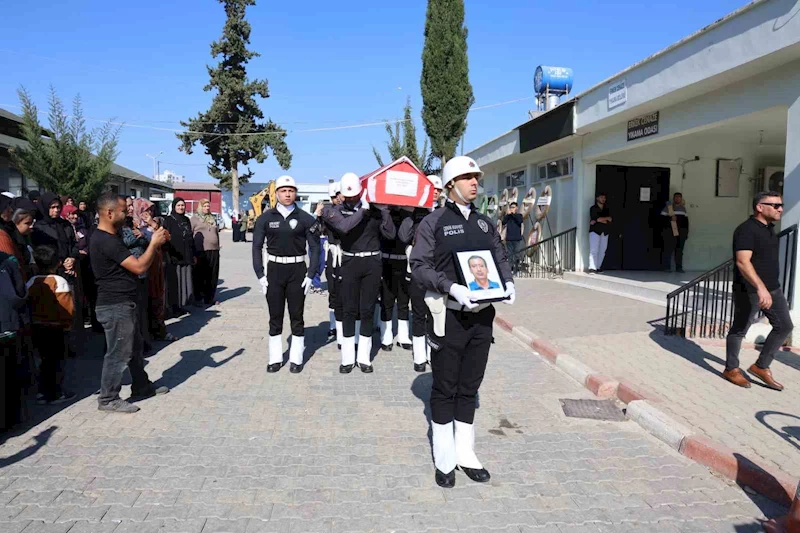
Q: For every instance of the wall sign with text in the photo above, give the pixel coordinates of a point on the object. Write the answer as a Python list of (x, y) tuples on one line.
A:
[(643, 126), (617, 94)]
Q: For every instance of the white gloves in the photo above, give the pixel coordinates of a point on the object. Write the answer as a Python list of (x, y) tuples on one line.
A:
[(462, 295), (264, 285), (306, 286), (511, 294), (364, 202)]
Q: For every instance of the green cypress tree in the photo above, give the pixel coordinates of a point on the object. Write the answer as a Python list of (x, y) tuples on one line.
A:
[(235, 110), (67, 158), (446, 91)]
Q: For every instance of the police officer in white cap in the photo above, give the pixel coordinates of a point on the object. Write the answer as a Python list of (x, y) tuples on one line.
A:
[(360, 235), (333, 263), (460, 329), (287, 230), (419, 311)]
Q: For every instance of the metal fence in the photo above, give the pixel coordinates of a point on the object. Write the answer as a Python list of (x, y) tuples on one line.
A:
[(548, 259), (704, 306)]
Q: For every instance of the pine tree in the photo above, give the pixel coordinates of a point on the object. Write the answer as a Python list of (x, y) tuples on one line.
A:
[(446, 91), (66, 158), (407, 144), (234, 111)]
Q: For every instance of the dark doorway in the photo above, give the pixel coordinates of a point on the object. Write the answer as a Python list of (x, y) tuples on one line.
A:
[(635, 197)]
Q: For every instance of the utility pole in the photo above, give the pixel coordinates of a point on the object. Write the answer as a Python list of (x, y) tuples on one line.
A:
[(155, 162)]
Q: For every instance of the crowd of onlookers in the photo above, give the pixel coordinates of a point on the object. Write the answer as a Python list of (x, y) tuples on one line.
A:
[(48, 294)]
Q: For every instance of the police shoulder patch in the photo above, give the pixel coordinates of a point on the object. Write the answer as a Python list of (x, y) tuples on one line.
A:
[(483, 225)]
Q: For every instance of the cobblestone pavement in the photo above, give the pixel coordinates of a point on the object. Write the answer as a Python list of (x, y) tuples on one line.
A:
[(612, 335), (232, 449)]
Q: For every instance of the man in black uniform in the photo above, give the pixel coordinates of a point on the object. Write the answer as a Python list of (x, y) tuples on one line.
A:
[(360, 234), (460, 330), (287, 229), (333, 262), (394, 287)]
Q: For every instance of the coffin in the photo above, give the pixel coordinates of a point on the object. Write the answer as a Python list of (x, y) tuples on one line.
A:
[(399, 183)]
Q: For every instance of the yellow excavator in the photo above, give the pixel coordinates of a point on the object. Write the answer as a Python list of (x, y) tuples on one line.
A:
[(267, 194)]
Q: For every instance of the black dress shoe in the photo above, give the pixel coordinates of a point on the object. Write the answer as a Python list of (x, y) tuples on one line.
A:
[(345, 369), (367, 369), (338, 346), (419, 367), (386, 347), (295, 368), (479, 475), (331, 333), (274, 367), (446, 481), (404, 346)]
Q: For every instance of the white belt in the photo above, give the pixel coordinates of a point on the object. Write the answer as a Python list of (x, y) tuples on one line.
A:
[(397, 257), (455, 306), (286, 259), (360, 254)]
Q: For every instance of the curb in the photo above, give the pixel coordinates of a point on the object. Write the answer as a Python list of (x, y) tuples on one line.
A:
[(771, 482)]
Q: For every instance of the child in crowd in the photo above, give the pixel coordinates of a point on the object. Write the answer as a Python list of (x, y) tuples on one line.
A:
[(52, 307)]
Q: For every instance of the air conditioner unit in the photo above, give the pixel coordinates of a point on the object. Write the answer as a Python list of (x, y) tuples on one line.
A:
[(771, 179)]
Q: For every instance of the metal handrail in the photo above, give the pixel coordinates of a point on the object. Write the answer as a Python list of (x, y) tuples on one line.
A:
[(548, 258), (704, 306)]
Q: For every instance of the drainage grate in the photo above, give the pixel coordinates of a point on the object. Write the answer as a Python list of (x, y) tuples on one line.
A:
[(593, 409)]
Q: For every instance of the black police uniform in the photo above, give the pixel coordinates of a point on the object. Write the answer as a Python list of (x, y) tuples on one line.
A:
[(286, 248), (394, 285), (332, 269), (458, 359), (407, 233), (360, 234)]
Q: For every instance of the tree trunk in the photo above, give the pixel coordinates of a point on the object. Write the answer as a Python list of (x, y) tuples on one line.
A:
[(235, 185)]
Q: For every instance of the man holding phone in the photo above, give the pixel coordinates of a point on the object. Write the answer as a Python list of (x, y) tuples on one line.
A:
[(756, 286)]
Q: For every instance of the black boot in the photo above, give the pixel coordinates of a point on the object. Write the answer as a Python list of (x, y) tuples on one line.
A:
[(446, 481)]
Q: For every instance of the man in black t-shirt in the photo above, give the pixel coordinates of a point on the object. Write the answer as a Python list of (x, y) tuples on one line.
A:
[(513, 222), (115, 271), (756, 286)]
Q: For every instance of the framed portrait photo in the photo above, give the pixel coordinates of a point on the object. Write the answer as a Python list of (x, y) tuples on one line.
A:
[(478, 271)]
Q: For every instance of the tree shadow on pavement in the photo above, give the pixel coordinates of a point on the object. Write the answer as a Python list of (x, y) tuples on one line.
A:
[(421, 388), (192, 362), (790, 434), (41, 439)]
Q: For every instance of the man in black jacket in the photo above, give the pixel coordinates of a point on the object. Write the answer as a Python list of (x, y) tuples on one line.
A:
[(513, 223)]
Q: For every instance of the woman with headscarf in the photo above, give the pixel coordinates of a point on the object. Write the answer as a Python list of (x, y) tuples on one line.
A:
[(180, 258), (206, 245), (15, 237), (144, 218)]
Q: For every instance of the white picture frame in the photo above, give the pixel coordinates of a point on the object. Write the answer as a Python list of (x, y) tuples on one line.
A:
[(482, 280)]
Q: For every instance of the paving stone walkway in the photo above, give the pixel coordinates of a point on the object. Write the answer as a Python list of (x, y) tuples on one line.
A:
[(232, 449), (623, 338)]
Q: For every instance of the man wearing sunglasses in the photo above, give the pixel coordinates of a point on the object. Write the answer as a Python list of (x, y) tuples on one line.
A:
[(756, 286)]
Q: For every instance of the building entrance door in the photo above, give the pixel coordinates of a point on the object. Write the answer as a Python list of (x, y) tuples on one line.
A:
[(635, 196)]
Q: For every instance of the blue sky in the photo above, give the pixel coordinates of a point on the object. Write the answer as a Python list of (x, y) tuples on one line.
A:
[(328, 64)]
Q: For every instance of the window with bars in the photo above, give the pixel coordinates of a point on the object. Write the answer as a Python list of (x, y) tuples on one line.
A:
[(557, 168)]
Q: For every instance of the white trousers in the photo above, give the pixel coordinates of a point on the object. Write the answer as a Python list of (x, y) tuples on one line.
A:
[(597, 250)]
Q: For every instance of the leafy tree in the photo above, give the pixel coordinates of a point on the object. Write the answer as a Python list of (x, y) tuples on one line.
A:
[(65, 159), (446, 90), (405, 145), (233, 131)]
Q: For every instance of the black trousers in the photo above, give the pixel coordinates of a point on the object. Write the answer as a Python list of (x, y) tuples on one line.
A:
[(745, 311), (50, 342), (394, 288), (458, 362), (206, 276), (285, 290), (673, 246), (333, 275), (418, 308), (361, 283)]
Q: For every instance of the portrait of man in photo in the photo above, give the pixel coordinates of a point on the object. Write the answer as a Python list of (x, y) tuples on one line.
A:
[(479, 269)]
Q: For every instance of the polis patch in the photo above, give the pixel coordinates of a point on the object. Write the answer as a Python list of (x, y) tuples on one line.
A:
[(454, 229), (274, 225)]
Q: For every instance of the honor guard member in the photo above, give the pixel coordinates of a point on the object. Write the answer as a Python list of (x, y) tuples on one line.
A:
[(360, 235), (333, 263), (394, 286), (407, 233), (460, 329), (287, 229)]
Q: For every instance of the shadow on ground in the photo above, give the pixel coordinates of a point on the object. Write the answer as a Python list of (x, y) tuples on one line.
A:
[(192, 362)]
